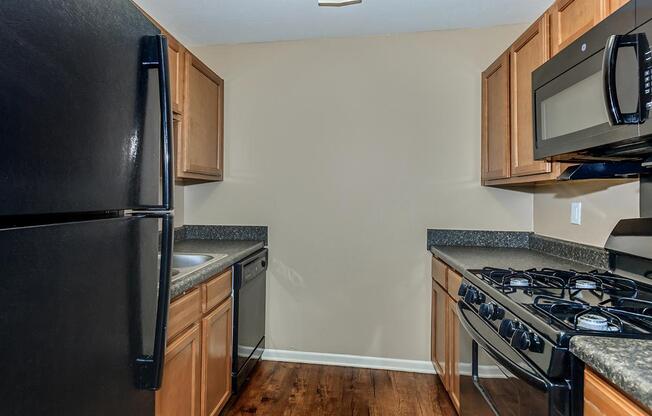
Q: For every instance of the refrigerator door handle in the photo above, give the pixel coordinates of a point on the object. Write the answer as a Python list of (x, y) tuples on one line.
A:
[(150, 367), (160, 62)]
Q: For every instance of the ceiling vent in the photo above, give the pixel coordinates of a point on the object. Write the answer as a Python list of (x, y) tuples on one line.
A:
[(338, 3)]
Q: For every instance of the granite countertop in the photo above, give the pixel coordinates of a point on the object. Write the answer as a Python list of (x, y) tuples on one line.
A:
[(627, 363), (235, 251), (464, 258)]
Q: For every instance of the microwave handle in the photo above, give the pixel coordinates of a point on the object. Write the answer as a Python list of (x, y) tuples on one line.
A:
[(610, 59)]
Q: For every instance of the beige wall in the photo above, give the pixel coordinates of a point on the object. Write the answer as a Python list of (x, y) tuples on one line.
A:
[(349, 149), (178, 205), (603, 204)]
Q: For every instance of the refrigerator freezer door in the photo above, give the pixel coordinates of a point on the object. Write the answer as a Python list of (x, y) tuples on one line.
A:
[(80, 111), (78, 305)]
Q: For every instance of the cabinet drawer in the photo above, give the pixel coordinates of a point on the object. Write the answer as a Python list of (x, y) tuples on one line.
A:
[(184, 311), (439, 271), (216, 290), (454, 283)]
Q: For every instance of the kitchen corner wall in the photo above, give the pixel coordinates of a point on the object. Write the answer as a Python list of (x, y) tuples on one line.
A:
[(349, 150), (604, 203), (179, 200)]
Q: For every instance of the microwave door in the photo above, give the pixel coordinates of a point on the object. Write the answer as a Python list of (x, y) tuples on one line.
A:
[(645, 35), (572, 120)]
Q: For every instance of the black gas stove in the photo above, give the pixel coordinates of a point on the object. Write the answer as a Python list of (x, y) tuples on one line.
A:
[(596, 303), (519, 324)]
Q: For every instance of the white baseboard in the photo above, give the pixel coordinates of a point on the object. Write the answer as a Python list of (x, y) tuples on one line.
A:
[(358, 361), (344, 360)]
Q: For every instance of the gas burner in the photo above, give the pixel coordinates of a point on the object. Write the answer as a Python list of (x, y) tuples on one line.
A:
[(518, 282), (593, 322), (561, 283), (585, 284)]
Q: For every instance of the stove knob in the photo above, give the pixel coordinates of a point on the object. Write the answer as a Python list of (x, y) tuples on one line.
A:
[(487, 311), (507, 328), (491, 311), (481, 298), (521, 339), (471, 295), (462, 290)]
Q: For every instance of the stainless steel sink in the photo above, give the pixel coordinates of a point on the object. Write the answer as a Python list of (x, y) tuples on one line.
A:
[(186, 263), (183, 261)]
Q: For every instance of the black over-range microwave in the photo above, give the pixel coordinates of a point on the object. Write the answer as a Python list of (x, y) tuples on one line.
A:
[(592, 101)]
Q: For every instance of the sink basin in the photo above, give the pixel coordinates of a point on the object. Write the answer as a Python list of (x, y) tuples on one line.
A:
[(184, 261)]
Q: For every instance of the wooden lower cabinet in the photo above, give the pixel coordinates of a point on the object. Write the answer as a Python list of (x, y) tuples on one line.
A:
[(438, 331), (602, 399), (453, 322), (180, 392), (197, 372), (445, 330), (216, 359)]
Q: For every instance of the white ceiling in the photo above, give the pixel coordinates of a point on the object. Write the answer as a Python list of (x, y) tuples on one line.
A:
[(204, 22)]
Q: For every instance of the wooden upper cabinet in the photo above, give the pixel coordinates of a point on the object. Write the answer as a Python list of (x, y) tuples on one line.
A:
[(176, 62), (181, 390), (570, 19), (200, 154), (216, 359), (528, 53), (495, 120)]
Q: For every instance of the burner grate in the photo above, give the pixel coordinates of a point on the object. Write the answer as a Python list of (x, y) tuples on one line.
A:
[(579, 316)]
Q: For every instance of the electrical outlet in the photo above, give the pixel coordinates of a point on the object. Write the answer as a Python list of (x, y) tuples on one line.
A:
[(576, 213)]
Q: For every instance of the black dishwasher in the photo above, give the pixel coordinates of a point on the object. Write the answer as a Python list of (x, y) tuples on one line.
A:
[(249, 291)]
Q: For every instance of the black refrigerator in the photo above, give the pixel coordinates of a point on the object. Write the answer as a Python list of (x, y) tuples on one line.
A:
[(86, 225)]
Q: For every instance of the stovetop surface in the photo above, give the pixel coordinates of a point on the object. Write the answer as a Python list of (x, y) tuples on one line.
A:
[(571, 302)]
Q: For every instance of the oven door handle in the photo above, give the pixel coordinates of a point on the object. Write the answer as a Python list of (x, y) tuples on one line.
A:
[(474, 377), (532, 378), (609, 61)]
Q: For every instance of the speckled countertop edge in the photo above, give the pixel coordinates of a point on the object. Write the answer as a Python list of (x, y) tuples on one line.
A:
[(627, 363), (235, 250)]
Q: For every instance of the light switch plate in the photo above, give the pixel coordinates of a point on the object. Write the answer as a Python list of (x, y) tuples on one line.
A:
[(576, 213)]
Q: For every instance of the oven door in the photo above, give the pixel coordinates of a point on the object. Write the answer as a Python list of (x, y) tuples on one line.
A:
[(507, 383)]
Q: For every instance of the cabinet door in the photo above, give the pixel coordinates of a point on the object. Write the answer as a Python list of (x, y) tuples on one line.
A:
[(453, 322), (570, 19), (216, 359), (180, 392), (200, 154), (438, 332), (177, 74), (526, 54), (495, 120), (601, 399), (616, 4)]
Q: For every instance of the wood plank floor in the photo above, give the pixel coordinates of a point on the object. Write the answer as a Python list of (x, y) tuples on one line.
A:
[(287, 389)]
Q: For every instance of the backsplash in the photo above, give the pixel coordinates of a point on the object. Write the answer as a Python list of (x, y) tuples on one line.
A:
[(593, 256), (221, 232)]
